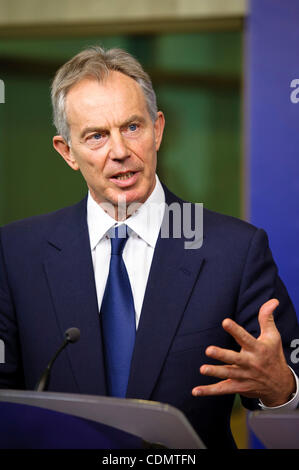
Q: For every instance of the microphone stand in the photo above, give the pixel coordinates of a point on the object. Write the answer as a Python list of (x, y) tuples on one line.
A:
[(71, 336)]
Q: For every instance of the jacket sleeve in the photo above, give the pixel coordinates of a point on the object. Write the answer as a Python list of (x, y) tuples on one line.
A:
[(261, 282)]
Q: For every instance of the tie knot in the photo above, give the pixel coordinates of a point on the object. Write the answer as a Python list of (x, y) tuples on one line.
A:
[(118, 237)]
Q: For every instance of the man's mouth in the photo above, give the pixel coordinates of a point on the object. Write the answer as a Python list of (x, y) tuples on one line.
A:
[(125, 179), (124, 176)]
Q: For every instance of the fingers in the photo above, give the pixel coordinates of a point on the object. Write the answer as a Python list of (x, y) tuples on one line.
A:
[(243, 338), (224, 372), (224, 355), (266, 319), (244, 371), (221, 388), (266, 322)]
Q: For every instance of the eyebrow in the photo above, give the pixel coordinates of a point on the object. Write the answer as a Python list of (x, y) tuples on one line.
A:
[(133, 118)]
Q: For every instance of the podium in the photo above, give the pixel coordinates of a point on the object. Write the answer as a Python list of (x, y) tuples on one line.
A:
[(276, 430), (108, 422)]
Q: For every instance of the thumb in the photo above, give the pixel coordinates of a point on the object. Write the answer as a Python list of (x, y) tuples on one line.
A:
[(265, 318)]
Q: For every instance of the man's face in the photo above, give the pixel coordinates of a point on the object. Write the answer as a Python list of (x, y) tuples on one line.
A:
[(114, 142)]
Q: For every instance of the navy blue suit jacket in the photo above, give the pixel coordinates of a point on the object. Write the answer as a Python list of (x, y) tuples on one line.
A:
[(47, 285)]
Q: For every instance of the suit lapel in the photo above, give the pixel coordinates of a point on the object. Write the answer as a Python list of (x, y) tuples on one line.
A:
[(68, 266), (173, 273)]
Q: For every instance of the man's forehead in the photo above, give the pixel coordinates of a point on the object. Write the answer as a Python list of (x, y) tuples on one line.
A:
[(114, 84), (116, 93)]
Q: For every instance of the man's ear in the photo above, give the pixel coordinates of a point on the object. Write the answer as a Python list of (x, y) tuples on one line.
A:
[(159, 128), (64, 149)]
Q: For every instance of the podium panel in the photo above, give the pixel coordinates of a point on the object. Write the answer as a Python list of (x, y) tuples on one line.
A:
[(276, 430), (30, 427), (139, 420)]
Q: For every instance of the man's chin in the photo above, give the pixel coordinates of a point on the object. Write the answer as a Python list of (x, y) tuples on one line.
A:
[(121, 205), (129, 196)]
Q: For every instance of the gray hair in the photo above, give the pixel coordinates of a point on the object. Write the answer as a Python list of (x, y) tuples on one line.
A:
[(96, 62)]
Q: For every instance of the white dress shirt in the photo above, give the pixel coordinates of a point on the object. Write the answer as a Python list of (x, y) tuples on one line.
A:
[(145, 224)]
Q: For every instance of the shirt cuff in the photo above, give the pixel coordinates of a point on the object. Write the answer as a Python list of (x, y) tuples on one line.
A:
[(289, 405)]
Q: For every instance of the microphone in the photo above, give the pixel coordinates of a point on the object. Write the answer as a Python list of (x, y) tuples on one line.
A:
[(70, 336)]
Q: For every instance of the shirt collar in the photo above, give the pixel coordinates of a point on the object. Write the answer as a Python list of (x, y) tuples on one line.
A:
[(145, 221)]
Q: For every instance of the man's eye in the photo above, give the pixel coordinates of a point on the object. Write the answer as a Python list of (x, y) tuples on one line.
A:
[(93, 140), (132, 127)]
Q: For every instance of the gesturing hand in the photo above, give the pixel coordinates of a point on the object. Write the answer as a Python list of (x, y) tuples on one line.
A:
[(259, 370)]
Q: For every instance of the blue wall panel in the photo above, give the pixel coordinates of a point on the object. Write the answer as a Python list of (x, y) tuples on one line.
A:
[(273, 131)]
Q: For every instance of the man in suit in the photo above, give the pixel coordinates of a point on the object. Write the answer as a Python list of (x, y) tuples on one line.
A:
[(210, 308)]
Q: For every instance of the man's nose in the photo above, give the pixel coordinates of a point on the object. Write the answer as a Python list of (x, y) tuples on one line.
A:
[(118, 147)]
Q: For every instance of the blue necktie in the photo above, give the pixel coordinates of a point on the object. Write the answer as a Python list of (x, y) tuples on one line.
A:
[(118, 318)]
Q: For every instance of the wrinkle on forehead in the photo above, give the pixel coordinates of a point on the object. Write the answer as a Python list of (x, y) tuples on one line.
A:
[(104, 103)]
